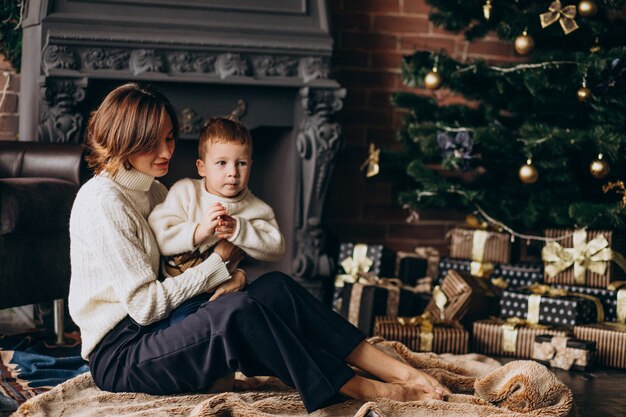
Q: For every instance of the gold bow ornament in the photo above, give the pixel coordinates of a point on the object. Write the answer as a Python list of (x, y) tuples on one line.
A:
[(593, 256), (565, 16), (541, 290), (372, 163)]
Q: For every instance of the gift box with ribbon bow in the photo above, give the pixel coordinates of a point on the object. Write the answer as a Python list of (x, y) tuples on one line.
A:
[(613, 298), (464, 297), (511, 337), (360, 260), (582, 257), (411, 267), (480, 246), (424, 333), (364, 300), (548, 305), (610, 341), (564, 352), (484, 270)]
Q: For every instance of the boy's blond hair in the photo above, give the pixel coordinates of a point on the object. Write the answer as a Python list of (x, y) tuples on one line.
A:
[(223, 130)]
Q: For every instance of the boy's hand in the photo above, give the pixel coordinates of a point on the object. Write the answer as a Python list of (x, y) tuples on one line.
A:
[(206, 228), (226, 227), (234, 284)]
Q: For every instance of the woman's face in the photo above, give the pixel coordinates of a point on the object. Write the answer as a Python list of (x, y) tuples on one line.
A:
[(156, 162)]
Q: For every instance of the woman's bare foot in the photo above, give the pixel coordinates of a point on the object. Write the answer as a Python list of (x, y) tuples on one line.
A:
[(417, 377), (413, 392), (367, 389)]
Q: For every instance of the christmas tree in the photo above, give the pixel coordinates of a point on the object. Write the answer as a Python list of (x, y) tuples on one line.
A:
[(539, 143)]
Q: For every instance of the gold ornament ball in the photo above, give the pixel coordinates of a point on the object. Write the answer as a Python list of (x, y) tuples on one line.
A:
[(528, 174), (524, 44), (472, 221), (583, 94), (433, 80), (587, 8), (599, 168)]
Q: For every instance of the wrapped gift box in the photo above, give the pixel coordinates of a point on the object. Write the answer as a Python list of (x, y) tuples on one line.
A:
[(558, 308), (610, 341), (509, 338), (463, 265), (480, 245), (581, 257), (613, 299), (422, 334), (521, 274), (564, 352), (362, 302), (463, 297), (413, 266), (357, 260)]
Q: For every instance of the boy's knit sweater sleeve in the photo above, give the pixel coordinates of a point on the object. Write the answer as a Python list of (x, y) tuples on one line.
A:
[(257, 232), (172, 221), (127, 265)]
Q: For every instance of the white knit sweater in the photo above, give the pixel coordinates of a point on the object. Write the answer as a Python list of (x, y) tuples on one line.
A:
[(175, 220), (115, 258)]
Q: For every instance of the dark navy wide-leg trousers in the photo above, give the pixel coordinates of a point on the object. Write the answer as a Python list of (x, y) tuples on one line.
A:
[(273, 327)]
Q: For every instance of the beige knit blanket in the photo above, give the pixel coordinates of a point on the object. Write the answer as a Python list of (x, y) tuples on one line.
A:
[(482, 388)]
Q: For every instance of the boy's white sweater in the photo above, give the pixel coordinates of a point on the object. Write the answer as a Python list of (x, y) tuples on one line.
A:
[(175, 220), (115, 258)]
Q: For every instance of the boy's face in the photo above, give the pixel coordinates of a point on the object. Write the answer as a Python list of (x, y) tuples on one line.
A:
[(225, 168)]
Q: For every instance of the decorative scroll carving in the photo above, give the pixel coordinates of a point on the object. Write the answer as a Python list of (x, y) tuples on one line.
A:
[(313, 68), (228, 65), (146, 60), (59, 57), (240, 110), (100, 58), (184, 61), (318, 142), (59, 120), (271, 66), (190, 121)]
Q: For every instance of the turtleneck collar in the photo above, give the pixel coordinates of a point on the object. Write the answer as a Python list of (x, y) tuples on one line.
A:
[(215, 197), (132, 179)]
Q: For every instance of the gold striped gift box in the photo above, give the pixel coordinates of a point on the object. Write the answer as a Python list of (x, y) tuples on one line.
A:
[(511, 337), (462, 296), (437, 337), (480, 245), (610, 341), (603, 252)]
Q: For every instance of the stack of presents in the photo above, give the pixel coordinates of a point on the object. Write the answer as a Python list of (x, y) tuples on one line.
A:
[(567, 311)]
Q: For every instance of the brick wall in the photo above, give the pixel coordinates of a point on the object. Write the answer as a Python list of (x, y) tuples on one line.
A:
[(9, 94), (371, 36)]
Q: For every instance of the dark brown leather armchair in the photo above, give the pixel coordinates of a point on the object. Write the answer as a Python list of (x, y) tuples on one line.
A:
[(38, 184)]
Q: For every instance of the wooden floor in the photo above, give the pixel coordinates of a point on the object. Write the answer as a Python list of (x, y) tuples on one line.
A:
[(599, 393)]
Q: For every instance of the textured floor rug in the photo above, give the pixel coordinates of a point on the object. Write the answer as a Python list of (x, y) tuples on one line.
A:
[(482, 388)]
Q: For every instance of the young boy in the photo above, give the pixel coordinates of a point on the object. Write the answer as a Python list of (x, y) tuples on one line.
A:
[(197, 213)]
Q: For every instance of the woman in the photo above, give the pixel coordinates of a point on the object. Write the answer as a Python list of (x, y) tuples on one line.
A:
[(270, 327)]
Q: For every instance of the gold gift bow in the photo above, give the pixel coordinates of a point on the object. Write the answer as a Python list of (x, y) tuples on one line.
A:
[(479, 243), (621, 299), (372, 163), (565, 16), (593, 256), (356, 266), (542, 290), (559, 355), (509, 332), (426, 325)]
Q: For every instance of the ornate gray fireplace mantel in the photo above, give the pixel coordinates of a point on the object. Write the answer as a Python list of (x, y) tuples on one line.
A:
[(270, 58)]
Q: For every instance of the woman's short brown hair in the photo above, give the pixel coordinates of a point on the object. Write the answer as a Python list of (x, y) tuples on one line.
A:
[(223, 130), (128, 122)]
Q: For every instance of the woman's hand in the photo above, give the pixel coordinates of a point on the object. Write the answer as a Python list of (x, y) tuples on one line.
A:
[(230, 254), (234, 284)]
